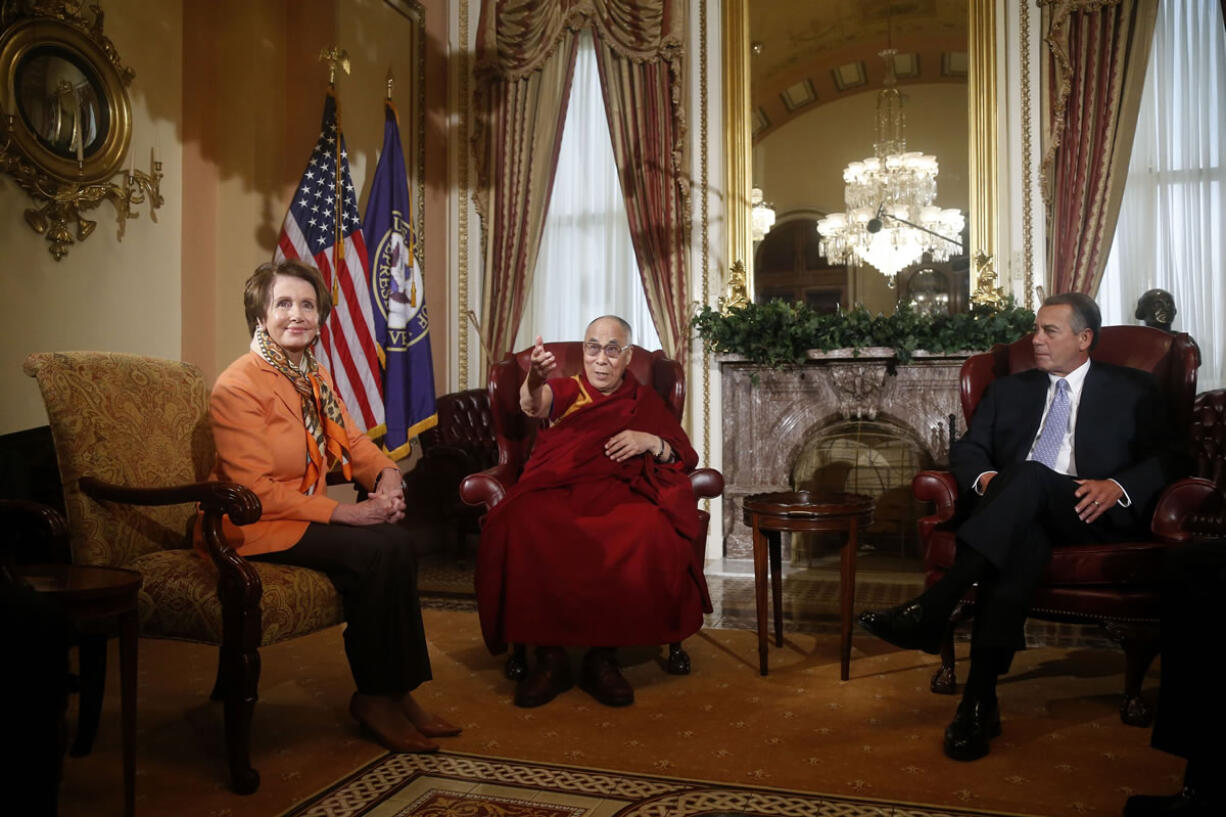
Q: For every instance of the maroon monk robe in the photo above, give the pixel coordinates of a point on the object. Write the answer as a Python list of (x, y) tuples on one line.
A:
[(585, 551)]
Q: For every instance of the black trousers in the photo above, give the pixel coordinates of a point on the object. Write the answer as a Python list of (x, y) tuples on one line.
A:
[(1190, 719), (374, 568), (1025, 509)]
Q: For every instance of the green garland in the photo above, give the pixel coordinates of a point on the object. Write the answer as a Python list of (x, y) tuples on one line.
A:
[(778, 332)]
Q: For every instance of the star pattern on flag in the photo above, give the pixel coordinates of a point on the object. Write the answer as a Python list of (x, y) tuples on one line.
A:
[(318, 186)]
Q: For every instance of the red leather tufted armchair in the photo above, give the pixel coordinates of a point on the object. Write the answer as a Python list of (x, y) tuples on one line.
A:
[(461, 444), (515, 434), (1113, 585)]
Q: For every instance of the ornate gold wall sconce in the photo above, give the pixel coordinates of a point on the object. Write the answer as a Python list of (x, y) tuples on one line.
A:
[(67, 122)]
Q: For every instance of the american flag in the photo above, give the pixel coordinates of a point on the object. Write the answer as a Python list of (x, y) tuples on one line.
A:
[(324, 208)]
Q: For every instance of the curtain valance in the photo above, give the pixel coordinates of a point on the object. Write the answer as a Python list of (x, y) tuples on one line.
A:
[(516, 37)]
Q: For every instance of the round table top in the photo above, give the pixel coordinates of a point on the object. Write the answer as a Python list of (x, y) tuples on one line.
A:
[(808, 503), (80, 582)]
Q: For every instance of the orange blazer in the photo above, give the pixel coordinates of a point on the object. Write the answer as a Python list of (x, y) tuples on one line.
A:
[(261, 443)]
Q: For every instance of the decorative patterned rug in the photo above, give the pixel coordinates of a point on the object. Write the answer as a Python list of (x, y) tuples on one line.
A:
[(451, 785)]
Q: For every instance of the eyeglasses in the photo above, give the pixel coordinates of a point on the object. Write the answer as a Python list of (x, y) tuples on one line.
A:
[(593, 349)]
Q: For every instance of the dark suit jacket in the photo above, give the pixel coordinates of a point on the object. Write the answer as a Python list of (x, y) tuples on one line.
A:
[(1122, 433)]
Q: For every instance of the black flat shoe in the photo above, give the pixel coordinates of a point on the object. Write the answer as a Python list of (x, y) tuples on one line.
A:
[(973, 727), (1188, 803), (549, 677), (908, 626)]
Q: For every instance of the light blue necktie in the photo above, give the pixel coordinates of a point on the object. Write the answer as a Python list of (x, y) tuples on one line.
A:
[(1052, 435)]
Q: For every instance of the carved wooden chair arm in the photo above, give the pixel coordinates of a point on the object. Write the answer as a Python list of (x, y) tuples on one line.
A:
[(216, 499), (44, 522), (48, 521)]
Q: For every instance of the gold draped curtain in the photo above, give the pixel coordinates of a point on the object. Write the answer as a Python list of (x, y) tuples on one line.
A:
[(525, 61), (1097, 52)]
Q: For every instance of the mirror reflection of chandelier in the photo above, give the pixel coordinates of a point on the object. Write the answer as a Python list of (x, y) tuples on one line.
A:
[(761, 214), (884, 192)]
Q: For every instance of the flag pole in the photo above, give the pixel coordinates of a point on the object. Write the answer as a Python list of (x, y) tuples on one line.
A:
[(336, 56)]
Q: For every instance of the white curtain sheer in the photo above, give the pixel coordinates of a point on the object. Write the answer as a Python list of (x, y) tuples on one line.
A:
[(586, 267), (1173, 217)]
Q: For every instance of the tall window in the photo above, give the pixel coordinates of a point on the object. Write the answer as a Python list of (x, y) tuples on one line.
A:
[(586, 267), (1173, 218)]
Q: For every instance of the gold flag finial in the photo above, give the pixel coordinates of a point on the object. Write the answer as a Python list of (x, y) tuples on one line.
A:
[(390, 79), (335, 56)]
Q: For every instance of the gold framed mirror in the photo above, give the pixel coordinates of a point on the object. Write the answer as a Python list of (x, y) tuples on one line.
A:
[(68, 109), (66, 120), (981, 127)]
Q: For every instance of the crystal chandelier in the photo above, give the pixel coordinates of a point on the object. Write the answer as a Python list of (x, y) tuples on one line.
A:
[(761, 214), (889, 195)]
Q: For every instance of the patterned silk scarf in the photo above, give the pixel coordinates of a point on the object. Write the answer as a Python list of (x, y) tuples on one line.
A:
[(321, 411)]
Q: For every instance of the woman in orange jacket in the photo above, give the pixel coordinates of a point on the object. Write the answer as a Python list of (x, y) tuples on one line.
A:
[(279, 427)]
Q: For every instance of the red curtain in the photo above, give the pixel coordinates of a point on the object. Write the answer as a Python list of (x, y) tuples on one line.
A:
[(525, 61), (523, 74), (1097, 52), (639, 57)]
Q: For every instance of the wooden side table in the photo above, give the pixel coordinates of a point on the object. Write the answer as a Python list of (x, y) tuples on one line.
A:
[(88, 593), (767, 515)]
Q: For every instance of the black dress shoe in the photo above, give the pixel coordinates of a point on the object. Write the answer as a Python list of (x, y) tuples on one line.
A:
[(603, 680), (909, 626), (549, 677), (974, 725), (1188, 803)]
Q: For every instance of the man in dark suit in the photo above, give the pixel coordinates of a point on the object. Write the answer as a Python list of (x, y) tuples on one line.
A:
[(1071, 452)]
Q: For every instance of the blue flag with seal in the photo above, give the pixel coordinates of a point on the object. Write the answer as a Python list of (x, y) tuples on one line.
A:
[(402, 326)]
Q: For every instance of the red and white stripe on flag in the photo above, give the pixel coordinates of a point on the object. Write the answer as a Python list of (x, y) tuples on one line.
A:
[(321, 203)]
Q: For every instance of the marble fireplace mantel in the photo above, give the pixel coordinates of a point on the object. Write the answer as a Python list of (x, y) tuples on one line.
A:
[(768, 414)]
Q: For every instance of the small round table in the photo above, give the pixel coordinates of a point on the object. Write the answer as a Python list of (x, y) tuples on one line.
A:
[(804, 511), (87, 593)]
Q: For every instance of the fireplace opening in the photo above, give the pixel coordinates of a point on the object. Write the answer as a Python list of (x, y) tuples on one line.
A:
[(873, 457)]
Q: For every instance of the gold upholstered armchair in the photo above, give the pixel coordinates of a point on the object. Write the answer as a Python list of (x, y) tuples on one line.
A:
[(135, 452)]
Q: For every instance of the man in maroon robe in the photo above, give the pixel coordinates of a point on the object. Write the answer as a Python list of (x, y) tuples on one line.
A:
[(593, 545)]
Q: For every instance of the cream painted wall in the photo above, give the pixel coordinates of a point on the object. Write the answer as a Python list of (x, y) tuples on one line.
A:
[(106, 294), (800, 165)]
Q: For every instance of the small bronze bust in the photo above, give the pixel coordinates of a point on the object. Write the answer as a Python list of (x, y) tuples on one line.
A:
[(1157, 309)]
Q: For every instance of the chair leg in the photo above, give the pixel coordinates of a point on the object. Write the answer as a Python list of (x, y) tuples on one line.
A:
[(945, 680), (221, 684), (1141, 645), (678, 660), (91, 652), (517, 663), (242, 674)]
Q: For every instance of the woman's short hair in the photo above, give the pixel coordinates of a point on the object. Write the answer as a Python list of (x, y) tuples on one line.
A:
[(257, 295)]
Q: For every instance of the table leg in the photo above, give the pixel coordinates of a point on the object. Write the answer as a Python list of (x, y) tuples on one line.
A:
[(847, 597), (127, 683), (759, 580), (91, 659), (775, 538)]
